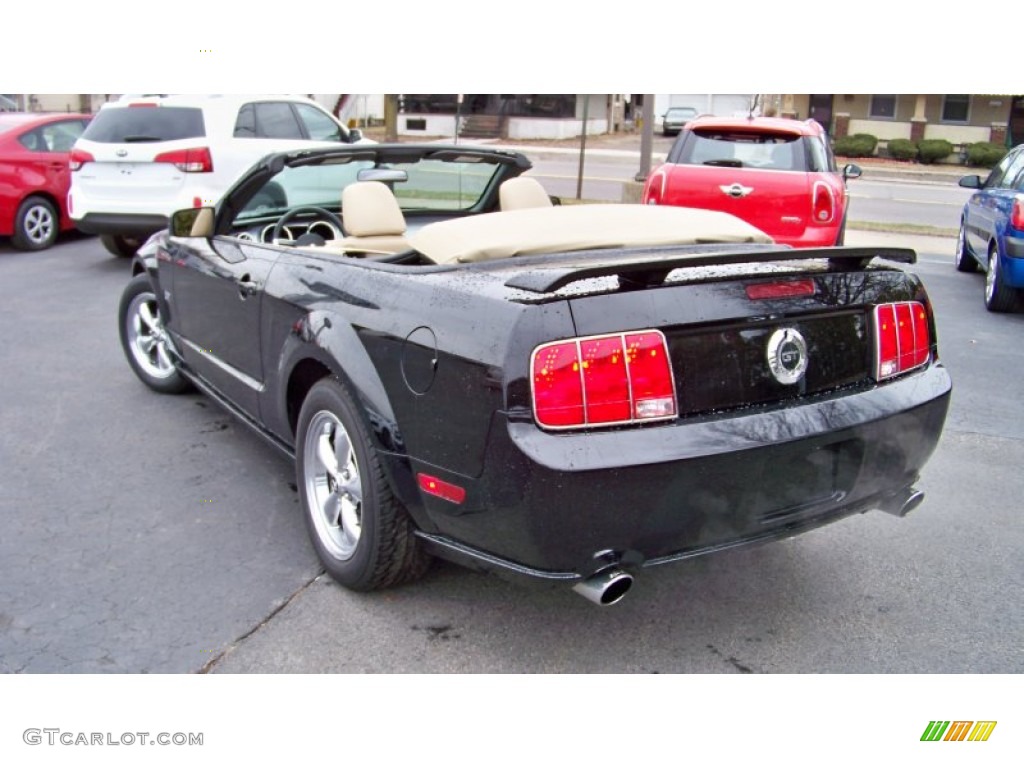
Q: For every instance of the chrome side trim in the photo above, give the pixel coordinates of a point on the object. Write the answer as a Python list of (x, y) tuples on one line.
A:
[(249, 381)]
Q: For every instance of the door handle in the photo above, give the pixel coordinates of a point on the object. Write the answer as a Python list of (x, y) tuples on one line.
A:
[(247, 286)]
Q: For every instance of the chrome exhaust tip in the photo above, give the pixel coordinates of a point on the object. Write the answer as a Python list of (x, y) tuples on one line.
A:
[(605, 588), (903, 503)]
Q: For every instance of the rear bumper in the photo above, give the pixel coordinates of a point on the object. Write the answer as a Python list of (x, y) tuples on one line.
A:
[(134, 224), (562, 507)]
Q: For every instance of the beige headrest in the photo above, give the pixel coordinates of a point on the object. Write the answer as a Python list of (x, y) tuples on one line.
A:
[(369, 208), (522, 192)]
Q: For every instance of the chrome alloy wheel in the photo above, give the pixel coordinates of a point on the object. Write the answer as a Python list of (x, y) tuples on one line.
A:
[(147, 338), (992, 276), (39, 224), (334, 488)]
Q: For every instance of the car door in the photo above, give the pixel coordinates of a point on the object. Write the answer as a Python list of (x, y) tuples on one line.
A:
[(55, 142), (216, 299), (994, 200)]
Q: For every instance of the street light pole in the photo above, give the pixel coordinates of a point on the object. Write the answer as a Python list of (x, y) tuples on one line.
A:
[(583, 147), (646, 138)]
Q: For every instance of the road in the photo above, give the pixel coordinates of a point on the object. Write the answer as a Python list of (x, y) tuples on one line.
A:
[(933, 203), (148, 533)]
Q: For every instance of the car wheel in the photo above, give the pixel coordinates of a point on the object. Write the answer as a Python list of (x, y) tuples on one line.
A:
[(144, 339), (963, 260), (120, 245), (35, 224), (841, 236), (362, 535), (999, 297)]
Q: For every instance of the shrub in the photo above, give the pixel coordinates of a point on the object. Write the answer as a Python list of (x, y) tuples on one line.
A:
[(903, 149), (857, 145), (985, 154), (931, 150)]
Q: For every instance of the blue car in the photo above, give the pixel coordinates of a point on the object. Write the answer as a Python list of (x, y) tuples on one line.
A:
[(992, 231)]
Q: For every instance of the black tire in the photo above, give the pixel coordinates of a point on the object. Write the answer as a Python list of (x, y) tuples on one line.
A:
[(962, 259), (362, 535), (144, 339), (841, 237), (120, 245), (36, 224), (999, 297)]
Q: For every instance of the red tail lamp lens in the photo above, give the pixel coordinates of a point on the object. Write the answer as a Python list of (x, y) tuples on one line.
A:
[(601, 380), (78, 158), (903, 340), (196, 160)]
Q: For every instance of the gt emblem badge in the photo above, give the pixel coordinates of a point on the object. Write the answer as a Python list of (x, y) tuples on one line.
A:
[(787, 355)]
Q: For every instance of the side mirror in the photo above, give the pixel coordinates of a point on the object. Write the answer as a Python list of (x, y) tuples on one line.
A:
[(970, 182), (354, 135), (852, 171), (192, 222)]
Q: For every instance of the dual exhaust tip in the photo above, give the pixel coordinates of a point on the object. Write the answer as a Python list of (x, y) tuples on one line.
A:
[(605, 587), (609, 586)]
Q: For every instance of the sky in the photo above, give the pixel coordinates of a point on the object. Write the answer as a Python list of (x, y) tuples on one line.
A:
[(529, 46)]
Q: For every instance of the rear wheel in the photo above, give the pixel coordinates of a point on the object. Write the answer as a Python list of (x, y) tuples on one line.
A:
[(999, 297), (963, 260), (362, 535), (119, 245), (35, 224)]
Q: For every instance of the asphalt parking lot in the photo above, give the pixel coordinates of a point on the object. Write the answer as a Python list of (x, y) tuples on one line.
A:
[(155, 534)]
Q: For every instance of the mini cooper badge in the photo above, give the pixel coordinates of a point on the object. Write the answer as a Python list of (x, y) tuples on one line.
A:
[(122, 153), (787, 355), (736, 190)]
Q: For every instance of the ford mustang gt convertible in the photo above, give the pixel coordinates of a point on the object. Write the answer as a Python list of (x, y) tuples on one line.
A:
[(573, 394)]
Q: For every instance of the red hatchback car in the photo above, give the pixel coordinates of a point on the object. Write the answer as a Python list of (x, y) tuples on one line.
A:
[(777, 174), (34, 176)]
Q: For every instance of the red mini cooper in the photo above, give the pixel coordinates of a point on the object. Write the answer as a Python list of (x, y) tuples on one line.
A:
[(777, 174)]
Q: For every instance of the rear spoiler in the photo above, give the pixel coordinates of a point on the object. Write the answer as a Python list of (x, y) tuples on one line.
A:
[(651, 272)]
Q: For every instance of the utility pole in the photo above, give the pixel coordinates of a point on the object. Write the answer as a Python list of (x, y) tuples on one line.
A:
[(583, 146), (391, 117), (646, 138)]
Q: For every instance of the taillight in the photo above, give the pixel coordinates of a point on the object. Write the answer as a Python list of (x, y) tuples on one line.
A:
[(1017, 214), (618, 378), (78, 158), (196, 160), (783, 289), (902, 338), (823, 208)]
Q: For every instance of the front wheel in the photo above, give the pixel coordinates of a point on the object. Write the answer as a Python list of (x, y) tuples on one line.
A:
[(999, 297), (362, 535), (35, 224), (963, 260), (144, 338), (119, 245)]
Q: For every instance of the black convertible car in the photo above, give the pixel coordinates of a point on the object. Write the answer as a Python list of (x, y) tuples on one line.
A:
[(571, 393)]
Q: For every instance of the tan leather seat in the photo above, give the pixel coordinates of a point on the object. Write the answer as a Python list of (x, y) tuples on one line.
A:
[(373, 221), (522, 192)]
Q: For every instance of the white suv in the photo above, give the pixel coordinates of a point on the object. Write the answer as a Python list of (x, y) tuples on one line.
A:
[(144, 157)]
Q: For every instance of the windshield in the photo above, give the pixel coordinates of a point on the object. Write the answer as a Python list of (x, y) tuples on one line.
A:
[(428, 185)]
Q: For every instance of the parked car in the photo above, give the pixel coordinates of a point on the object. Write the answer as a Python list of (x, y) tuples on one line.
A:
[(992, 231), (568, 394), (34, 178), (675, 118), (778, 175), (144, 157)]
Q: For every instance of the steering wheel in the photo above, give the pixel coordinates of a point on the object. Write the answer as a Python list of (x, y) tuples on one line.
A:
[(292, 213)]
